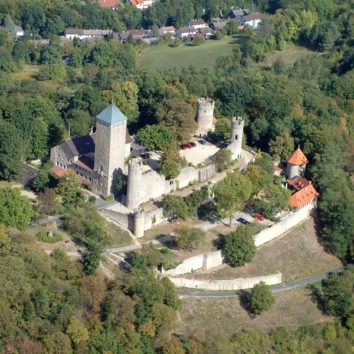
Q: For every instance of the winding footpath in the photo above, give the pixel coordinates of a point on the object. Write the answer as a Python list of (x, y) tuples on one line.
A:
[(275, 288)]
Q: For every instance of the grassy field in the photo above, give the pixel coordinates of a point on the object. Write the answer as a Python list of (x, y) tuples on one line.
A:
[(161, 57), (292, 308), (296, 255)]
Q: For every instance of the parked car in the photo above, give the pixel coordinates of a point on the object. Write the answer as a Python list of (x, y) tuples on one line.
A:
[(202, 141), (221, 144), (243, 221), (159, 152), (192, 143), (188, 145), (183, 146), (259, 216)]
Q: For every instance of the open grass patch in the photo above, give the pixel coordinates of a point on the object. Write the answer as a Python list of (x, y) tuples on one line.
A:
[(49, 237), (162, 56)]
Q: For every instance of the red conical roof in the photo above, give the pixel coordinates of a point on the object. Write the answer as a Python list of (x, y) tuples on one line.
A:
[(297, 158)]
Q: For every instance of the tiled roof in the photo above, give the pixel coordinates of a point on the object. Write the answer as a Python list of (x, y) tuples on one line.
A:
[(303, 196), (298, 183), (112, 115), (197, 22), (297, 158), (108, 3), (58, 171)]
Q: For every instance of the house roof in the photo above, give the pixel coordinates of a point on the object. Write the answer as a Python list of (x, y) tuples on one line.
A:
[(297, 158), (111, 115), (303, 196), (108, 3), (298, 183), (168, 28), (187, 30), (257, 16), (240, 12), (197, 22), (58, 171)]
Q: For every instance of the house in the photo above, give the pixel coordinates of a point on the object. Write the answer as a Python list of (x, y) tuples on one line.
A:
[(139, 34), (18, 32), (252, 20), (108, 4), (168, 30), (142, 4), (186, 32), (206, 32), (121, 37), (197, 24), (238, 13), (81, 34), (219, 24), (304, 196)]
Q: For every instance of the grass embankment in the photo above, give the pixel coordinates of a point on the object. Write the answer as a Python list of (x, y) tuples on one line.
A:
[(292, 309)]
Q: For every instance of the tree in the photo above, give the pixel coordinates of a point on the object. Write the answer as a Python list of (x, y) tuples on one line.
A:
[(189, 238), (11, 151), (230, 193), (337, 293), (261, 298), (178, 117), (47, 200), (170, 162), (69, 188), (282, 146), (15, 210), (239, 247), (77, 331), (222, 159), (79, 121), (4, 239), (57, 343), (175, 207), (155, 137), (223, 128), (196, 199), (91, 259), (197, 41)]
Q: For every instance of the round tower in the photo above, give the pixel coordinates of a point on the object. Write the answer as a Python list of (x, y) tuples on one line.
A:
[(205, 115), (236, 136), (139, 223), (135, 182)]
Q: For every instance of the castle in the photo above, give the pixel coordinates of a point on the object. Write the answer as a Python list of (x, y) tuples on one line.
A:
[(100, 158)]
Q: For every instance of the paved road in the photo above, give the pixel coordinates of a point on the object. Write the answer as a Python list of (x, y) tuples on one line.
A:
[(275, 288)]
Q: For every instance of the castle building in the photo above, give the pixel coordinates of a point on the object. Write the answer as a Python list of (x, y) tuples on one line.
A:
[(99, 157), (205, 116), (235, 146), (304, 191)]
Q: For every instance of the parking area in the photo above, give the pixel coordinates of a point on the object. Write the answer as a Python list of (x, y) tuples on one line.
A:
[(199, 153)]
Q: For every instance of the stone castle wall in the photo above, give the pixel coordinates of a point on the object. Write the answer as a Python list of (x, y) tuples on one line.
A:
[(227, 284)]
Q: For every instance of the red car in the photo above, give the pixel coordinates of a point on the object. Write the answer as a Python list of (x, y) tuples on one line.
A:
[(259, 216)]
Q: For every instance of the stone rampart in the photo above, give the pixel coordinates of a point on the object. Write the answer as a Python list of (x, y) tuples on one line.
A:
[(226, 284), (283, 226)]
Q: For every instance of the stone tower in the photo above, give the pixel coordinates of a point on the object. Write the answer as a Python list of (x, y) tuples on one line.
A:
[(139, 223), (110, 137), (296, 164), (135, 183), (205, 116), (235, 146)]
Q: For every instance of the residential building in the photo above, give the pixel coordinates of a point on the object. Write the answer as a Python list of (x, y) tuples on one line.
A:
[(197, 24), (108, 4), (252, 20), (206, 32), (81, 34), (186, 32), (142, 4), (168, 30), (19, 32)]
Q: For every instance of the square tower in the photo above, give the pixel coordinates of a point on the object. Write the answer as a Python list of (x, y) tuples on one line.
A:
[(111, 130)]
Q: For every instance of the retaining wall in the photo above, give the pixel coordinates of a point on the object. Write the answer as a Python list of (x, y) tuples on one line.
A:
[(228, 284), (283, 226)]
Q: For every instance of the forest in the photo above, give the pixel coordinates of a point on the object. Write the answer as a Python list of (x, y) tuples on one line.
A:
[(49, 304)]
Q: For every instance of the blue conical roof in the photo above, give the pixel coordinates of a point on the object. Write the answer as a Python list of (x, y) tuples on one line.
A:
[(112, 115)]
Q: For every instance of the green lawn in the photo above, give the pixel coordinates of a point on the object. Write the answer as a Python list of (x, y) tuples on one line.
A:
[(161, 57)]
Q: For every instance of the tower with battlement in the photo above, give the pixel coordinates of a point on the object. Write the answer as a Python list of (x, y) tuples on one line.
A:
[(205, 116), (110, 141), (236, 136)]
